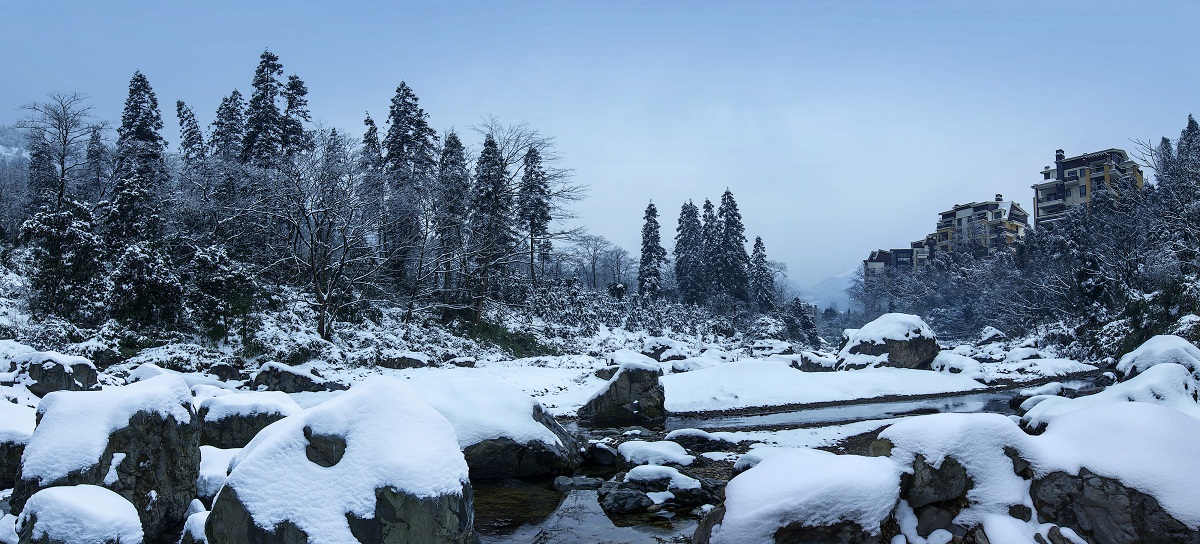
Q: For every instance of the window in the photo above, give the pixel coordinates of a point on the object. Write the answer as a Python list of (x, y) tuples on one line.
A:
[(998, 215), (1082, 191)]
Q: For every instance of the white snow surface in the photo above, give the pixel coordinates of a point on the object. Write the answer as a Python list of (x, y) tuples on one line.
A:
[(1164, 348), (654, 473), (194, 527), (641, 452), (807, 486), (1169, 384), (16, 422), (482, 409), (249, 403), (46, 358), (953, 363), (747, 383), (628, 358), (892, 326), (393, 439), (82, 514), (9, 350), (214, 469), (76, 425)]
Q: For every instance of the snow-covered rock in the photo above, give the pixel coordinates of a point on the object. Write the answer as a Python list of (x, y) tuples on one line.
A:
[(140, 440), (232, 420), (279, 377), (80, 514), (991, 334), (1164, 348), (768, 347), (896, 340), (953, 363), (701, 441), (503, 432), (214, 469), (1169, 384), (665, 350), (16, 426), (390, 358), (811, 361), (45, 371), (640, 452), (634, 396), (376, 460)]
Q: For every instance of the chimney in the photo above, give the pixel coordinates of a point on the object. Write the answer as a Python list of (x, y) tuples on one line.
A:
[(999, 197), (1059, 155)]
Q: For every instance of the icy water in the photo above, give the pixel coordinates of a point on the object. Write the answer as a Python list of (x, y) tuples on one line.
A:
[(511, 512)]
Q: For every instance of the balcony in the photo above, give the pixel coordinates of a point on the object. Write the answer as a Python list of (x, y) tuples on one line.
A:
[(1052, 201)]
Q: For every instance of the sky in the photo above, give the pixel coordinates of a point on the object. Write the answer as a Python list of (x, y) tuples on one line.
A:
[(840, 127)]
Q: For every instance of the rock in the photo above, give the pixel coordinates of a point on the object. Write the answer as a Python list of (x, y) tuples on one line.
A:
[(141, 441), (844, 532), (462, 362), (710, 521), (403, 359), (376, 464), (43, 372), (624, 500), (895, 340), (10, 462), (81, 514), (767, 347), (607, 372), (231, 421), (813, 362), (928, 485), (1105, 511), (571, 483), (699, 441), (664, 350), (16, 426), (227, 372), (278, 377), (603, 455), (633, 396)]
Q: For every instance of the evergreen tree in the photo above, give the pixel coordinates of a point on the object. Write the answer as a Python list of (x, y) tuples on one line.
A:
[(492, 216), (97, 169), (293, 137), (710, 232), (372, 149), (145, 290), (409, 163), (191, 140), (228, 130), (689, 255), (731, 262), (221, 291), (263, 140), (762, 278), (453, 197), (66, 255), (653, 256), (141, 167), (44, 187), (533, 204)]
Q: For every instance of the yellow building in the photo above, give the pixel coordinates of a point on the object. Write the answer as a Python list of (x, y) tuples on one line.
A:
[(1072, 181)]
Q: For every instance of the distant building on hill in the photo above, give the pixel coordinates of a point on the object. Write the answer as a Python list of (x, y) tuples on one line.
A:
[(1072, 181), (981, 227)]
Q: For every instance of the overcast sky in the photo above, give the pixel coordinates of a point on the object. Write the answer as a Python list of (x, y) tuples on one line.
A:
[(840, 127)]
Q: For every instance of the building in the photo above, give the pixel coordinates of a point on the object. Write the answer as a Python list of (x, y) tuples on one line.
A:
[(1072, 181), (882, 260), (981, 226)]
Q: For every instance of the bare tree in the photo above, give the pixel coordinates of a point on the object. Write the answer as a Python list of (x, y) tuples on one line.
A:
[(60, 127)]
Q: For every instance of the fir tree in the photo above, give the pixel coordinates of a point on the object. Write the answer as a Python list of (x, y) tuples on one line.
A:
[(44, 186), (293, 137), (222, 291), (653, 256), (372, 149), (145, 291), (65, 251), (533, 204), (141, 168), (762, 278), (191, 140), (263, 140), (710, 235), (453, 197), (689, 255), (97, 169), (228, 130), (492, 216), (731, 260), (409, 163)]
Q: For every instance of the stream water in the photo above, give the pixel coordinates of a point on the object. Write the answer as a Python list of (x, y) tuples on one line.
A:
[(511, 511)]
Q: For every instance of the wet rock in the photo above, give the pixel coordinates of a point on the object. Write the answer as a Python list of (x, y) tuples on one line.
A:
[(928, 485), (277, 377), (571, 483), (633, 396), (603, 455), (1105, 511), (43, 372), (845, 532), (624, 500), (711, 520)]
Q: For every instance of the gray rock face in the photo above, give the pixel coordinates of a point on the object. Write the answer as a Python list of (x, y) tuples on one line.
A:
[(505, 458), (1105, 511), (234, 431), (701, 444), (936, 495), (288, 380), (620, 500), (399, 518), (401, 361), (159, 461), (603, 455), (845, 532), (571, 483), (44, 375), (633, 397), (10, 462), (607, 372), (917, 352)]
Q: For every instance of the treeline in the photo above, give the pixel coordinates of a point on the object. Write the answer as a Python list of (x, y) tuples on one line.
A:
[(1108, 275)]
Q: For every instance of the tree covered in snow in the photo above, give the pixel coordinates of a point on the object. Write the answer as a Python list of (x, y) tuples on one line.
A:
[(533, 205), (689, 255), (262, 140), (654, 257), (762, 278)]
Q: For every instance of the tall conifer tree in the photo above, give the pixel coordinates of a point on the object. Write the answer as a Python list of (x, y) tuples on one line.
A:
[(263, 141), (653, 256), (762, 279), (689, 255), (732, 261), (533, 205)]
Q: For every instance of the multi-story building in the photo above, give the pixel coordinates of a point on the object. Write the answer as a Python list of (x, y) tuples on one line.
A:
[(882, 260), (1072, 181), (981, 226)]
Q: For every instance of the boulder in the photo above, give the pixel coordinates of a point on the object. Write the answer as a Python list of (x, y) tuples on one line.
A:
[(1105, 511), (375, 464), (43, 372), (214, 469), (700, 441), (1164, 348), (895, 340), (936, 495), (278, 377), (810, 361), (607, 372), (231, 421), (80, 514), (664, 350), (16, 426), (633, 396), (403, 359), (571, 483), (141, 441), (502, 431)]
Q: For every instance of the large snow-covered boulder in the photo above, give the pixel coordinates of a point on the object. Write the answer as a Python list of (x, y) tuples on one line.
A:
[(16, 426), (665, 350), (634, 396), (502, 431), (896, 340), (231, 421), (1164, 348), (81, 514), (45, 371), (214, 469), (140, 441), (374, 464), (280, 377), (1168, 384)]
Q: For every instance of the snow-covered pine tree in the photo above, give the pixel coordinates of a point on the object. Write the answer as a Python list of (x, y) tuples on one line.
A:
[(145, 292), (410, 159), (44, 186), (263, 139), (533, 205), (66, 255), (452, 196), (191, 140), (689, 255), (227, 133), (492, 221), (731, 275), (141, 170), (221, 291), (96, 181), (293, 137), (653, 256), (762, 278), (710, 233)]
